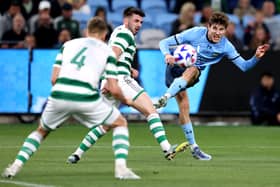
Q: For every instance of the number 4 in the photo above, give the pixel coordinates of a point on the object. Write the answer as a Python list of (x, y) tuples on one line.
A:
[(79, 59)]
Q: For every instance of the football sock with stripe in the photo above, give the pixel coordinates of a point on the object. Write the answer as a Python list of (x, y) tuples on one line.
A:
[(189, 133), (178, 84), (158, 131), (120, 145), (30, 145), (90, 139)]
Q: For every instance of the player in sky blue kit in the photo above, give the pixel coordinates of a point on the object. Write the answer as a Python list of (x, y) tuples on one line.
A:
[(211, 46)]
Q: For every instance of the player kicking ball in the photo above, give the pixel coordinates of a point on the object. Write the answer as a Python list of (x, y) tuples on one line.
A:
[(211, 45), (122, 42)]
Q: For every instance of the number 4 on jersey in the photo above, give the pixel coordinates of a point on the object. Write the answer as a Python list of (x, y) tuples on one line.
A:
[(79, 58)]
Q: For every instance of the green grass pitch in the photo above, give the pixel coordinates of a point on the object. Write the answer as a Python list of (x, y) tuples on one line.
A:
[(242, 156)]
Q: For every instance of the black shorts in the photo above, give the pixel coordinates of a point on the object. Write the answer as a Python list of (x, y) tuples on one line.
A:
[(173, 72)]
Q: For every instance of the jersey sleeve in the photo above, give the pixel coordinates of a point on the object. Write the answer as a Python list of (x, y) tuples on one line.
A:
[(58, 59), (111, 67), (230, 51), (122, 40), (189, 35), (238, 60), (181, 38)]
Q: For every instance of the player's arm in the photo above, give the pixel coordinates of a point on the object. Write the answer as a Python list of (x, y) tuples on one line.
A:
[(164, 46), (175, 40), (55, 74), (115, 91), (112, 82), (118, 51), (243, 64), (121, 43), (56, 66), (134, 73)]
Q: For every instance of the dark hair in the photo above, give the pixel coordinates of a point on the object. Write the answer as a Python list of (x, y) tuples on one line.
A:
[(67, 6), (15, 3), (100, 9), (219, 18), (133, 10), (266, 74), (96, 25)]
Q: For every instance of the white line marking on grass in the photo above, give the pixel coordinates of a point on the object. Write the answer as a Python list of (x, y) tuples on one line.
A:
[(26, 184), (151, 147)]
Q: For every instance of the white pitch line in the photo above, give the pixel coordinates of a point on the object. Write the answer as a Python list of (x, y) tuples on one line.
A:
[(149, 147), (26, 184)]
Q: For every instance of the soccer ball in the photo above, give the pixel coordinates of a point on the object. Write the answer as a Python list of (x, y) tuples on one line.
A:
[(185, 55)]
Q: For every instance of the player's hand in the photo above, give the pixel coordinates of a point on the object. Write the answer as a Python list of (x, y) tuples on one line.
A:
[(134, 73), (261, 50), (169, 59), (104, 91)]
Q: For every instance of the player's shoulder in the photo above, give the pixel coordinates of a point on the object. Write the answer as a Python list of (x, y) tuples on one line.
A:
[(121, 31), (224, 41), (87, 41), (198, 29), (73, 42), (195, 31)]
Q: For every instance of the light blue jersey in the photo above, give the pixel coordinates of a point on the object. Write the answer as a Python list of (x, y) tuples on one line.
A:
[(208, 52)]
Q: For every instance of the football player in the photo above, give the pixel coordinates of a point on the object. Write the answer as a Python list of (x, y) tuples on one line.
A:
[(76, 92), (212, 46)]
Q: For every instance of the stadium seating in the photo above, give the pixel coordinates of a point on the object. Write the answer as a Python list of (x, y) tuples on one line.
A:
[(149, 38), (120, 5), (97, 3), (154, 7), (164, 22), (239, 30), (115, 18), (82, 19), (148, 22), (171, 5), (197, 17)]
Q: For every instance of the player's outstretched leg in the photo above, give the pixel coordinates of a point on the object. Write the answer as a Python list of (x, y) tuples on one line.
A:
[(30, 146), (89, 140), (144, 104), (177, 85), (161, 102), (157, 129)]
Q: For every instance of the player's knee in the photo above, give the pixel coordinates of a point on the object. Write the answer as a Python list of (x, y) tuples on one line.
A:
[(191, 74), (42, 131), (121, 121)]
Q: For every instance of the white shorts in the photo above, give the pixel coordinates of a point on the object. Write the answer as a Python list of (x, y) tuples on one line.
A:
[(89, 114), (129, 87)]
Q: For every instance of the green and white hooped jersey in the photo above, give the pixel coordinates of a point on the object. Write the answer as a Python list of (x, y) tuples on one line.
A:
[(82, 62), (124, 39)]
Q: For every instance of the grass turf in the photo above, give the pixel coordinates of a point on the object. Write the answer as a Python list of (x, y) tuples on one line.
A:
[(242, 156)]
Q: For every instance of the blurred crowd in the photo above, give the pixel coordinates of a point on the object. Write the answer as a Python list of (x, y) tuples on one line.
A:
[(50, 23)]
